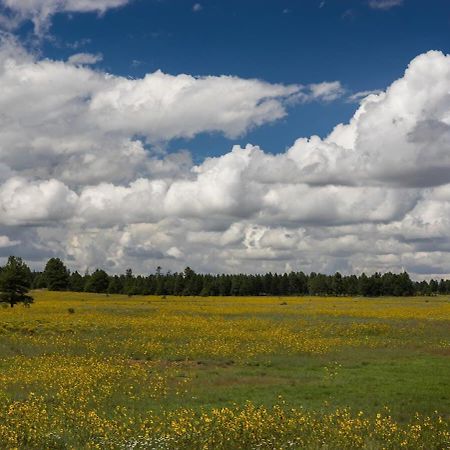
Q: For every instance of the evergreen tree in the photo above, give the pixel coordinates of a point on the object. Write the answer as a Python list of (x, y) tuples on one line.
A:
[(97, 282), (405, 285), (56, 275), (115, 285), (128, 283), (39, 282), (76, 282), (15, 282), (337, 284), (318, 284), (364, 285), (178, 286)]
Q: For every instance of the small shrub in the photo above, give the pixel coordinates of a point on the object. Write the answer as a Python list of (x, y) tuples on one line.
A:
[(71, 311)]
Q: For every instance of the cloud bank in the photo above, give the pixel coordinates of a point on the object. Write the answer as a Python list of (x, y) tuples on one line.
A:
[(79, 178)]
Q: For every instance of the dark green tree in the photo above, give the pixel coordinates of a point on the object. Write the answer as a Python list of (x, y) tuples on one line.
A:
[(115, 285), (318, 284), (364, 285), (337, 284), (129, 287), (405, 285), (193, 285), (178, 286), (15, 281), (97, 282), (56, 275), (76, 282), (39, 282)]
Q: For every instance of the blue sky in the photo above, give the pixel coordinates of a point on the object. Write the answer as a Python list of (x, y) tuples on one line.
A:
[(283, 41)]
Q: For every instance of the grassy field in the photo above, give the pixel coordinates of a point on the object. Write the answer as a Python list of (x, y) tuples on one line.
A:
[(82, 370)]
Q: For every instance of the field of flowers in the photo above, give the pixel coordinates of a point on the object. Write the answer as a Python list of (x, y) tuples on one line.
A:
[(111, 372)]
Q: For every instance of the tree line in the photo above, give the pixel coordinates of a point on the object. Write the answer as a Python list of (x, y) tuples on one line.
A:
[(16, 279), (57, 277)]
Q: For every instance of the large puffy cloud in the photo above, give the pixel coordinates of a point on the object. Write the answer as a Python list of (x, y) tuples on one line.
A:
[(41, 11), (164, 106), (81, 125), (398, 137), (23, 202), (373, 195)]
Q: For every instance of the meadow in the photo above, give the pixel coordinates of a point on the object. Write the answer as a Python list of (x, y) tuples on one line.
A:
[(93, 371)]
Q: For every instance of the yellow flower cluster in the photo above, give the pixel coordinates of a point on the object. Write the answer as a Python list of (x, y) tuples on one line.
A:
[(28, 424)]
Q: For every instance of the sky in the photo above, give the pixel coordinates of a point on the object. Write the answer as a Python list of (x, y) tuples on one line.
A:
[(230, 136)]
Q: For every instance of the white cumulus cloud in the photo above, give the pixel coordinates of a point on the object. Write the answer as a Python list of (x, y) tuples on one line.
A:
[(80, 125)]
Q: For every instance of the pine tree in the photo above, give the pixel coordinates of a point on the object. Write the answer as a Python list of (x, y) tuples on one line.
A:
[(15, 281), (56, 275), (97, 282), (76, 282)]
